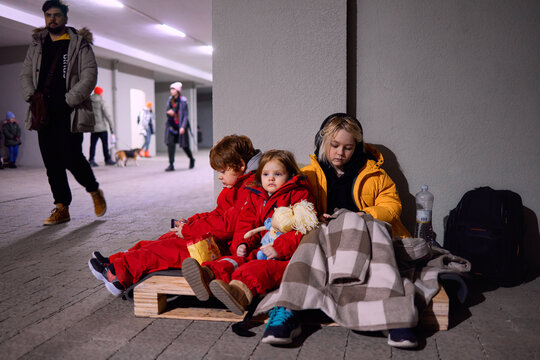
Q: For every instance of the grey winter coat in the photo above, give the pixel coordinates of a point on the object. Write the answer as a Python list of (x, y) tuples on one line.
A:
[(12, 133), (104, 121), (172, 134), (81, 76)]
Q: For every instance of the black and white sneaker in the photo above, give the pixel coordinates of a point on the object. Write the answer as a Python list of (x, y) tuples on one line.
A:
[(98, 269), (282, 327), (402, 338), (107, 275), (102, 259)]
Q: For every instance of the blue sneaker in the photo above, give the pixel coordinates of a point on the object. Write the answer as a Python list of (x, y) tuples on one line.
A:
[(282, 327), (402, 338)]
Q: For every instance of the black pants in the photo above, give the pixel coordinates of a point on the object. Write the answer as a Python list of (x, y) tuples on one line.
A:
[(94, 137), (61, 150), (172, 150)]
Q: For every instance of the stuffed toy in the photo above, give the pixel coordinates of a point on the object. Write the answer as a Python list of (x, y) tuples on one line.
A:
[(301, 217)]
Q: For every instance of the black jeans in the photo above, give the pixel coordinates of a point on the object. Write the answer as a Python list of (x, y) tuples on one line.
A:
[(172, 150), (61, 150), (94, 137), (172, 140)]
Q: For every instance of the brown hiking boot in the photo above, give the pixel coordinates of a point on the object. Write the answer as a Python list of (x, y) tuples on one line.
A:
[(60, 214), (198, 277), (100, 206), (235, 295)]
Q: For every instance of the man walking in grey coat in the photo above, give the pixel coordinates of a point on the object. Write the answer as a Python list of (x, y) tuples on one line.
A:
[(61, 69)]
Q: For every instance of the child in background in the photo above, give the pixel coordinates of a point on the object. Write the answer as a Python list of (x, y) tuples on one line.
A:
[(145, 121), (235, 160), (12, 138), (236, 279)]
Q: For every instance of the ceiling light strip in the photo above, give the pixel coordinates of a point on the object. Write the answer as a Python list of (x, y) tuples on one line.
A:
[(149, 57), (37, 21), (163, 24), (20, 16)]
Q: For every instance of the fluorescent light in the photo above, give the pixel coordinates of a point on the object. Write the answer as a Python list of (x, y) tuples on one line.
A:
[(110, 3), (170, 30), (147, 57), (207, 49)]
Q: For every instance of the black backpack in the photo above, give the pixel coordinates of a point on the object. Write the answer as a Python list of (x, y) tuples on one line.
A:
[(487, 228)]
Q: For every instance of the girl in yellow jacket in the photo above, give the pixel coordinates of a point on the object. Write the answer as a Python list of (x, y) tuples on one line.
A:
[(345, 173)]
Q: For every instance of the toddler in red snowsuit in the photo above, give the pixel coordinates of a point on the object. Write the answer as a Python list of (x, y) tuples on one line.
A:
[(234, 280), (235, 160)]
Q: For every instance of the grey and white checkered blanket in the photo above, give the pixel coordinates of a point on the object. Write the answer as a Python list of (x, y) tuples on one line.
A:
[(348, 269)]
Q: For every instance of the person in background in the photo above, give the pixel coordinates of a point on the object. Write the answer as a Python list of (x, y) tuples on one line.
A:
[(12, 138), (145, 120), (177, 129), (68, 107), (104, 122)]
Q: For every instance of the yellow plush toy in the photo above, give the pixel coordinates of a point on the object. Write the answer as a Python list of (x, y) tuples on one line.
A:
[(301, 217)]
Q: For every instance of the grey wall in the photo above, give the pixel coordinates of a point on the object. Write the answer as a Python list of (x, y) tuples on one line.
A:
[(451, 90), (204, 111), (448, 90), (278, 68), (11, 100)]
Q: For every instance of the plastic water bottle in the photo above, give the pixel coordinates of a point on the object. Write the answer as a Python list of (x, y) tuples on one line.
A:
[(424, 207)]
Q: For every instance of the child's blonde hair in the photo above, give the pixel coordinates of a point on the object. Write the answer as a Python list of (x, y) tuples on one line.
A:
[(330, 129), (284, 157), (232, 151)]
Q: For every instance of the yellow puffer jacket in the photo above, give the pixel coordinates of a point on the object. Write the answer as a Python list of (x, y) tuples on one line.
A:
[(374, 191)]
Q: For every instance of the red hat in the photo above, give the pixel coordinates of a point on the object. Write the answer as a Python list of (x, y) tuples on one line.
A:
[(98, 90)]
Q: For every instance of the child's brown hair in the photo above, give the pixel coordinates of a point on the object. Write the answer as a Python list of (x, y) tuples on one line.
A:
[(283, 156), (232, 151)]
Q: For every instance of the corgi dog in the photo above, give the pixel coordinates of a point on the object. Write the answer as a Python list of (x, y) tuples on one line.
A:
[(122, 156)]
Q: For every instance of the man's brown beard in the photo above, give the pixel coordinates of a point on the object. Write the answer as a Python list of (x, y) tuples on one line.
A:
[(56, 30)]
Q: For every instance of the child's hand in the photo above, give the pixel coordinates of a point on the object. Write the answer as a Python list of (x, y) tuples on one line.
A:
[(269, 251), (178, 231), (241, 250), (325, 218)]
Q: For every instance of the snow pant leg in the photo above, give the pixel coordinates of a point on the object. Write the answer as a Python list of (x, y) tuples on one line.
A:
[(140, 244), (167, 252), (261, 276), (225, 266), (137, 246)]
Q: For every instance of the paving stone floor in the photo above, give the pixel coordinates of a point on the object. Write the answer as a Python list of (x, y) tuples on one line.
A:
[(51, 307)]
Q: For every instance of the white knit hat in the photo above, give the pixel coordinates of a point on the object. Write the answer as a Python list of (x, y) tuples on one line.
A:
[(177, 86)]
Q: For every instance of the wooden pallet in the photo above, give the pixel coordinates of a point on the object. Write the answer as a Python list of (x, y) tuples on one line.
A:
[(150, 298), (435, 315)]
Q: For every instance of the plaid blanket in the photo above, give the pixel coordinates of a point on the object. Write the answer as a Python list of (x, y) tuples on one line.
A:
[(349, 269)]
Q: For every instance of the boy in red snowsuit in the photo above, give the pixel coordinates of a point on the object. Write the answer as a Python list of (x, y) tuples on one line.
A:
[(234, 280), (235, 159)]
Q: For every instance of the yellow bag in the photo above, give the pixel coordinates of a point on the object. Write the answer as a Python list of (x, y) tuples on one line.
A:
[(204, 250)]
